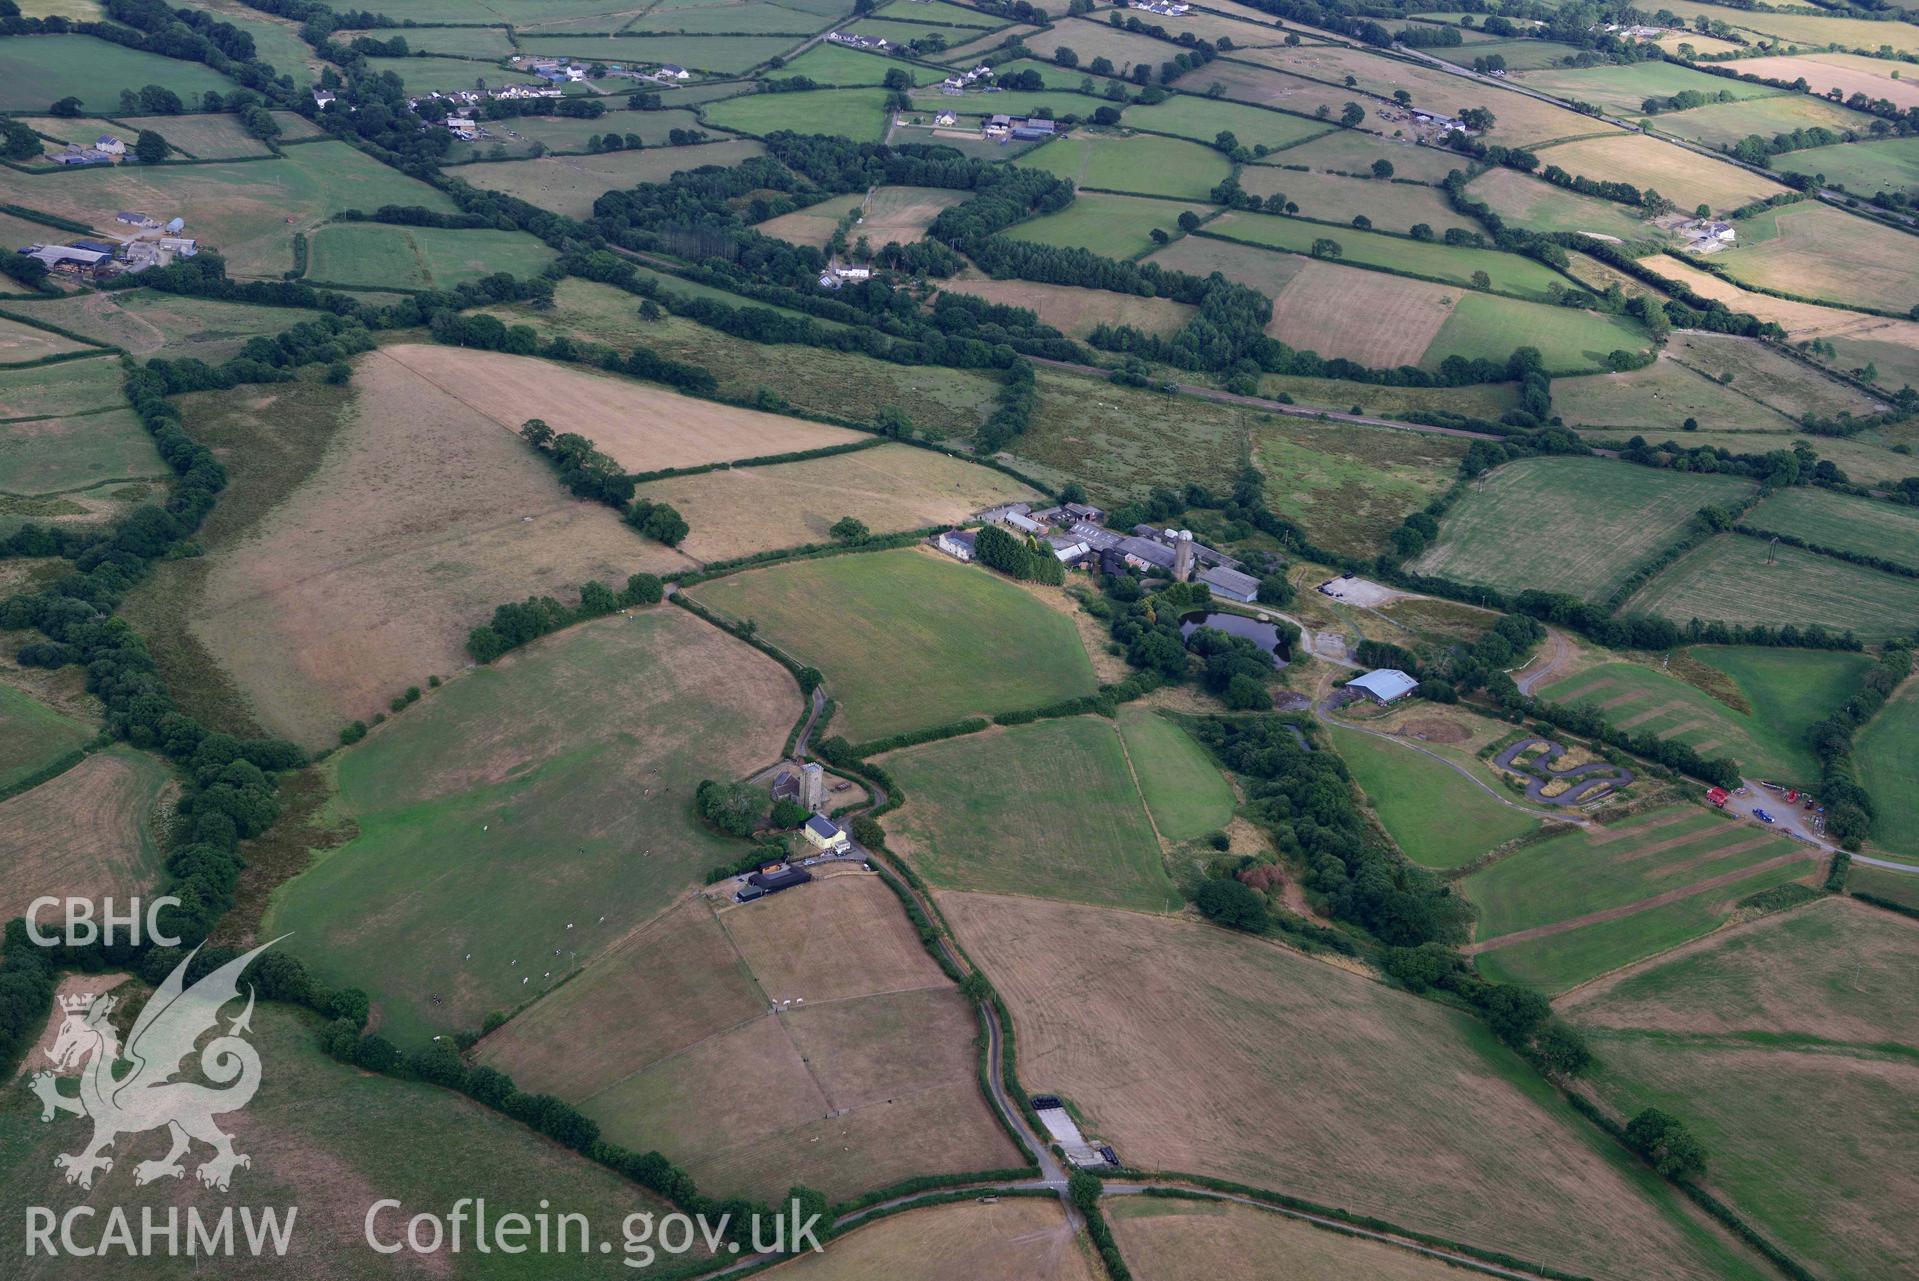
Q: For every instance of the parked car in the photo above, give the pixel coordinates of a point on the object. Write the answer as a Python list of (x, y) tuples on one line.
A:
[(1762, 816)]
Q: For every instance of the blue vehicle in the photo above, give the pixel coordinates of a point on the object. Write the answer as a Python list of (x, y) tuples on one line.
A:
[(1762, 816)]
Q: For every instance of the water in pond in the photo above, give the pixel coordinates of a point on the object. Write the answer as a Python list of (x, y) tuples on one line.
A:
[(1264, 635)]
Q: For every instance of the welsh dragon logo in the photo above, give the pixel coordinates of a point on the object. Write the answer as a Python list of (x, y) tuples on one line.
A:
[(141, 1095)]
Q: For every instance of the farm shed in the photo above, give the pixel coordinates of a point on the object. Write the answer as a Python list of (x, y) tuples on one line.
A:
[(1384, 685)]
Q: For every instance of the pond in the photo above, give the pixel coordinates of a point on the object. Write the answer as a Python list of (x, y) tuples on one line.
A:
[(1265, 635)]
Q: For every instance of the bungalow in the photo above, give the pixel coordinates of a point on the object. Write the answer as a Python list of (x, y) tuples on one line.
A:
[(108, 145), (960, 544), (672, 72), (854, 272), (1231, 584), (825, 835), (1384, 685), (945, 119), (323, 98), (136, 219)]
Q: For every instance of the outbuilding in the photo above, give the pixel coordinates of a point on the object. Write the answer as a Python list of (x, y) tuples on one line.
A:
[(1384, 685), (1231, 584)]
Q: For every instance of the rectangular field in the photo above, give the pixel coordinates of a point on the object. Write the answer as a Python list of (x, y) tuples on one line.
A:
[(1351, 486), (25, 344), (1204, 119), (1659, 398), (1867, 168), (1144, 164), (32, 735), (1538, 205), (1114, 226), (1076, 311), (1812, 250), (720, 55), (1621, 90), (61, 455), (147, 322), (1727, 123), (1510, 273), (559, 135), (958, 1241), (1682, 176), (1350, 151), (86, 833), (1734, 579), (1492, 327), (1846, 72), (1868, 527), (1390, 206), (378, 255), (1049, 809), (1160, 1237), (1888, 754), (1575, 525), (1437, 817), (858, 114), (891, 488), (1184, 791), (583, 751), (1768, 378), (38, 70), (900, 635), (1386, 1097), (570, 184)]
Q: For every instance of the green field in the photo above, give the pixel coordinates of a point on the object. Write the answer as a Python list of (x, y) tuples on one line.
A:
[(1538, 205), (58, 455), (1488, 326), (1332, 197), (901, 636), (1815, 251), (1350, 151), (1887, 752), (1431, 260), (148, 322), (570, 185), (564, 134), (276, 41), (1015, 102), (1623, 90), (529, 814), (332, 1139), (721, 55), (1438, 818), (1575, 525), (1115, 226), (1204, 119), (1842, 522), (1184, 791), (459, 42), (937, 11), (377, 255), (1739, 580), (1889, 165), (1350, 487), (1724, 124), (1600, 904), (1736, 1037), (1883, 882), (1143, 164), (428, 74), (1658, 399), (1048, 809), (832, 64), (859, 114), (37, 71), (32, 735), (758, 18), (1788, 691), (72, 387)]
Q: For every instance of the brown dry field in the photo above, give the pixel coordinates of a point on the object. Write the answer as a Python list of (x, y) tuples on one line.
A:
[(1076, 311), (1194, 1050), (1825, 253), (1779, 382), (569, 185), (419, 498), (643, 427), (890, 487), (902, 214), (1269, 88), (1222, 1241), (35, 1059), (82, 833), (1016, 1239), (1844, 71), (804, 1038), (1680, 175), (813, 225)]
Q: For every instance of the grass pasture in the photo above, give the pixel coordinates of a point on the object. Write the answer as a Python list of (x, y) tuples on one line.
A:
[(1887, 751), (147, 322), (1768, 378), (33, 735), (72, 387), (60, 455), (37, 70), (1840, 521), (1814, 30), (1849, 73), (1351, 486), (1113, 226), (1392, 206), (25, 344), (1430, 260), (740, 510), (1492, 327), (378, 255), (570, 184), (1143, 164), (1077, 311), (1736, 1032), (1110, 438), (719, 54), (1725, 123), (859, 114), (1203, 119), (1017, 1239), (903, 214), (1189, 1240), (1787, 690), (833, 64), (1385, 1097), (457, 42), (569, 135), (1351, 152), (1812, 250), (590, 743), (88, 832), (1884, 883), (1866, 168), (1729, 580), (1567, 909), (1682, 176), (1538, 205), (1623, 90), (1050, 810), (898, 635), (1183, 789), (1575, 525), (795, 1040), (1437, 818), (1659, 398), (332, 1139)]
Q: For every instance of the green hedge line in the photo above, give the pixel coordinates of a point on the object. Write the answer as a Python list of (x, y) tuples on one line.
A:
[(765, 460), (808, 551), (953, 729), (1837, 553), (46, 773), (1879, 901)]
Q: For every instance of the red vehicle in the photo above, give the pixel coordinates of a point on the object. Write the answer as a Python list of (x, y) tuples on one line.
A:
[(1792, 798), (1719, 796)]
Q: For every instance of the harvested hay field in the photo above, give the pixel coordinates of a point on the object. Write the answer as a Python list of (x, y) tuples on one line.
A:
[(33, 736), (1849, 73), (718, 1044), (570, 184), (148, 322), (1052, 809), (1329, 197), (899, 635), (333, 1139), (643, 427), (416, 495), (1769, 378), (1490, 327), (890, 487), (519, 821), (1623, 90), (1076, 311), (1736, 1031), (1729, 580), (1680, 175), (1379, 320), (813, 225), (86, 833), (903, 214), (1726, 124), (1159, 1030), (1351, 152), (1351, 486), (1204, 119), (369, 255), (1659, 398), (1017, 1239), (1575, 525), (1179, 1240), (1842, 522), (1814, 251), (1538, 205), (1570, 908)]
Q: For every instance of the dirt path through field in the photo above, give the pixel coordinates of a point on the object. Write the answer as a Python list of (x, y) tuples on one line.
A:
[(1555, 653)]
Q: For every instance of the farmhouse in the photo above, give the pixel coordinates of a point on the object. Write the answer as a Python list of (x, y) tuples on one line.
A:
[(1166, 8), (136, 219), (671, 72), (323, 98), (108, 145), (1384, 685), (960, 544), (1704, 235), (825, 835), (852, 41), (945, 119)]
